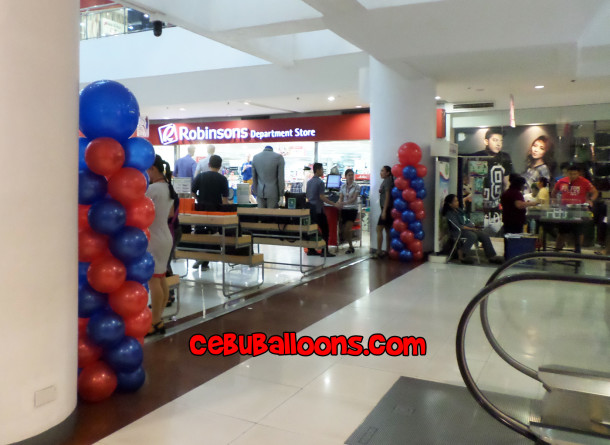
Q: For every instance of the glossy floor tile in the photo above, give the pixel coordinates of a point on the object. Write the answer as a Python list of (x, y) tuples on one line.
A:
[(273, 399)]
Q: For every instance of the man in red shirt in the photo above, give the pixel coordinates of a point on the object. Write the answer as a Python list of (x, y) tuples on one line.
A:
[(574, 189)]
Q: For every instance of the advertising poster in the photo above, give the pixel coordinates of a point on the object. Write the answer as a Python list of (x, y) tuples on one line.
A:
[(443, 176), (489, 155)]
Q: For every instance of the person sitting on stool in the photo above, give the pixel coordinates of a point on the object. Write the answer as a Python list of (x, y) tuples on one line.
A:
[(316, 197)]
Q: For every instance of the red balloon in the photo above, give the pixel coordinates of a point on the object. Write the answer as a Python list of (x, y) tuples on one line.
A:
[(406, 237), (140, 340), (399, 225), (409, 153), (416, 205), (422, 170), (409, 194), (138, 325), (83, 220), (104, 156), (82, 326), (415, 245), (394, 254), (147, 233), (91, 245), (88, 352), (420, 215), (395, 213), (106, 274), (401, 183), (418, 255), (140, 213), (127, 185), (397, 170), (129, 299), (96, 382)]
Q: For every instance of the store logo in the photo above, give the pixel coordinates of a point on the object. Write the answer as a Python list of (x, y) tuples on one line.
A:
[(168, 134)]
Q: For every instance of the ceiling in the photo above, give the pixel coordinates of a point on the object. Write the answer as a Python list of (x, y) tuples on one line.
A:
[(299, 52)]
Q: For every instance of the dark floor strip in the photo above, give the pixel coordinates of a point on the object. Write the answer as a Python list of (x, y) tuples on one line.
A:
[(172, 370)]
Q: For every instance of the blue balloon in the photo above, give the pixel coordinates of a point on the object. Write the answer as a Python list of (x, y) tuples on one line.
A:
[(419, 235), (91, 187), (147, 179), (128, 244), (130, 381), (396, 193), (409, 172), (394, 233), (400, 204), (108, 109), (417, 184), (82, 273), (405, 256), (107, 216), (141, 269), (90, 301), (139, 153), (146, 286), (408, 216), (397, 245), (126, 356), (82, 146), (415, 226), (106, 328), (421, 193)]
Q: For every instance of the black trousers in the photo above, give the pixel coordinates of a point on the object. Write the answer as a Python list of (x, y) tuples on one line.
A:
[(321, 221)]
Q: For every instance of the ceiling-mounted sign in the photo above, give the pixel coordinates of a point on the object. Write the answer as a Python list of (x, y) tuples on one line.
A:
[(322, 128)]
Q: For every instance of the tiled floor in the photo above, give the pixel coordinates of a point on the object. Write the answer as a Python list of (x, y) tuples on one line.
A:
[(302, 400)]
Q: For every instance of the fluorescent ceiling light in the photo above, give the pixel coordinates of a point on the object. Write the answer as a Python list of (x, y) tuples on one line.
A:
[(538, 87), (331, 98), (437, 97)]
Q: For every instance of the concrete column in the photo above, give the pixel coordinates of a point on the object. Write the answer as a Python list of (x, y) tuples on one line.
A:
[(38, 228), (403, 109)]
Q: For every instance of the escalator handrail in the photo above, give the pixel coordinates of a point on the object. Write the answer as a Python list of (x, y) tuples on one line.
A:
[(484, 317), (482, 295)]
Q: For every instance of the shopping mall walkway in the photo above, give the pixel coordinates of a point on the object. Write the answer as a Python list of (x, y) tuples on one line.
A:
[(296, 400)]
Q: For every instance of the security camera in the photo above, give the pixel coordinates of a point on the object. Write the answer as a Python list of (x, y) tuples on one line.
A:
[(157, 28)]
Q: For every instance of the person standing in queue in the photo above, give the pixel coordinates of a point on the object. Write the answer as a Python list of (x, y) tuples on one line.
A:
[(211, 190), (348, 203), (385, 218), (268, 178), (160, 245), (514, 205), (317, 198)]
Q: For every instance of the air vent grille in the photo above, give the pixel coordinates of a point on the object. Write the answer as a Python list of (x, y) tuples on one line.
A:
[(473, 106)]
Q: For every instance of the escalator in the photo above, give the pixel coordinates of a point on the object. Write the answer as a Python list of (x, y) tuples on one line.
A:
[(574, 402)]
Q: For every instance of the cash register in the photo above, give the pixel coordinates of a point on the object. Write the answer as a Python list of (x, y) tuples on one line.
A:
[(333, 186)]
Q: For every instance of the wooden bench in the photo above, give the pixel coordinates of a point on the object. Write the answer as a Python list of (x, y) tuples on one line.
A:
[(213, 247), (283, 232)]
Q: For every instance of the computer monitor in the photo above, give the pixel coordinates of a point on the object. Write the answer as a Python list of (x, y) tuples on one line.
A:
[(333, 182)]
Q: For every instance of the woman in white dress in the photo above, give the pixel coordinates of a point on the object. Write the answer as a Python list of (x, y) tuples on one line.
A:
[(161, 192)]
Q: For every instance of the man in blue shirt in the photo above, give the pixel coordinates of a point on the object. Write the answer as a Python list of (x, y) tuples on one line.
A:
[(246, 171), (185, 166), (317, 198)]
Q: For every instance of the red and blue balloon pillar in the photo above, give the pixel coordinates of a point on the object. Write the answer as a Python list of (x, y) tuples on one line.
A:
[(408, 206), (113, 219)]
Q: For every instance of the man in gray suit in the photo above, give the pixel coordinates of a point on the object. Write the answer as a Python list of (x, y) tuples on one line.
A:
[(268, 178)]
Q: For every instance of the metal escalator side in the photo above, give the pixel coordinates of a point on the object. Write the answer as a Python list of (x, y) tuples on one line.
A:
[(481, 297)]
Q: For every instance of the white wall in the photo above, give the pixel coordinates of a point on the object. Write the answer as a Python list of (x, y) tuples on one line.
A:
[(38, 228)]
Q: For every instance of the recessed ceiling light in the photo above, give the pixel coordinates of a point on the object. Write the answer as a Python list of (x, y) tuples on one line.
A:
[(437, 97), (331, 98), (146, 15), (538, 87), (358, 106), (166, 118), (246, 103), (182, 109)]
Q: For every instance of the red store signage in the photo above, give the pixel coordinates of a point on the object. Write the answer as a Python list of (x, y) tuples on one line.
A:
[(323, 128)]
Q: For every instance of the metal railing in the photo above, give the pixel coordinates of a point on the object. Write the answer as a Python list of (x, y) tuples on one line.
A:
[(495, 283), (109, 20)]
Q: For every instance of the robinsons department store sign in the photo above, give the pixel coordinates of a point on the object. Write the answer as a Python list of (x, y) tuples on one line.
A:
[(321, 128)]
